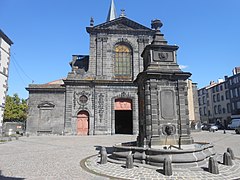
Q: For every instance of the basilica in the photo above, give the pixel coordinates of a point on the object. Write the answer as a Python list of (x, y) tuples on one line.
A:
[(99, 94)]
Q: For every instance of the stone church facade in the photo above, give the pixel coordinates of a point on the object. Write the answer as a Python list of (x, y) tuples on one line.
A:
[(99, 94)]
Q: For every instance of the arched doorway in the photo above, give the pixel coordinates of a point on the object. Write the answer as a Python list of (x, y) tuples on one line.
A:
[(123, 116), (82, 123)]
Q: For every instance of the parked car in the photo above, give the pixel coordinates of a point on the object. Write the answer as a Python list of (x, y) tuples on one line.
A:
[(209, 127), (234, 124), (13, 128), (204, 126)]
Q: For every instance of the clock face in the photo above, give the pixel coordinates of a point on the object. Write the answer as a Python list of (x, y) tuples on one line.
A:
[(83, 99)]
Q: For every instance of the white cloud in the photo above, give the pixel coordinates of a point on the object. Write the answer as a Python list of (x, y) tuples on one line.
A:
[(183, 66)]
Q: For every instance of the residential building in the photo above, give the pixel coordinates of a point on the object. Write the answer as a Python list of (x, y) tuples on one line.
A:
[(219, 100), (193, 105), (234, 91), (5, 45)]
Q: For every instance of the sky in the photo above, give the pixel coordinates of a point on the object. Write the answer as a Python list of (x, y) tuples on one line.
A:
[(46, 33)]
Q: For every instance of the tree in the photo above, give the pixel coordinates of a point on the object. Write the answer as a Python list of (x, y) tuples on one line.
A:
[(15, 109)]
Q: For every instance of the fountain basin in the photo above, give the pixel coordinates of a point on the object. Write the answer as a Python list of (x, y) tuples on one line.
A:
[(192, 155)]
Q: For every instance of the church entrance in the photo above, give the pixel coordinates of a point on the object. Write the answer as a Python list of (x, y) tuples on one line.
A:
[(82, 123), (123, 116)]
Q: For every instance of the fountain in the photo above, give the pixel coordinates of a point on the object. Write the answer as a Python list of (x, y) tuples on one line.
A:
[(163, 112)]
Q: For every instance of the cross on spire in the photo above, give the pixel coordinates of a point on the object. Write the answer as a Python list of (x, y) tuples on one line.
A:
[(112, 13)]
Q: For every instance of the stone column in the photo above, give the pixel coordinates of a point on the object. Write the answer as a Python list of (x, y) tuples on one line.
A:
[(148, 117), (68, 109), (99, 56)]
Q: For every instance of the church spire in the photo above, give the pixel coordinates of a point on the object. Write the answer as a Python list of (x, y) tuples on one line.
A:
[(112, 14)]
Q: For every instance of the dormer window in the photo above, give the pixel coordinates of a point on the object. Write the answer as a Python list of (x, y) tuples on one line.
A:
[(122, 59)]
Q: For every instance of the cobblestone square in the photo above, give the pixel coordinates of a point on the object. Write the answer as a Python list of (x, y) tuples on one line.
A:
[(59, 157)]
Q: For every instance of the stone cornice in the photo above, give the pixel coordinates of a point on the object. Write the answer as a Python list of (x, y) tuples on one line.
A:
[(4, 36), (120, 31), (46, 88), (131, 27), (98, 82), (172, 76)]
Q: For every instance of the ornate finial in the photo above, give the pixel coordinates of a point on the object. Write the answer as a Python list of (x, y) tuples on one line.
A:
[(123, 13), (158, 37), (91, 22), (156, 24)]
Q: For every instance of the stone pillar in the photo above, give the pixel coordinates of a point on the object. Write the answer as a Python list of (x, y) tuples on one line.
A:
[(99, 56), (103, 153), (104, 56), (230, 151), (148, 120), (227, 159), (154, 108), (68, 110), (92, 55), (129, 161), (167, 167), (213, 166)]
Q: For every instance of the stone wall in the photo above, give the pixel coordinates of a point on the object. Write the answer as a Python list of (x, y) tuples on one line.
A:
[(46, 111), (99, 105), (102, 56)]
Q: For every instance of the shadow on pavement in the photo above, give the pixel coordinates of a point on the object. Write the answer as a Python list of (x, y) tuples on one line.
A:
[(108, 149), (8, 178)]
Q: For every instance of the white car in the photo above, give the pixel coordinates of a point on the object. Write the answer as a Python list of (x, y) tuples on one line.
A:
[(212, 127)]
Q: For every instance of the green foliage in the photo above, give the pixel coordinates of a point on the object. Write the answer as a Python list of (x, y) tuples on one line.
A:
[(15, 109)]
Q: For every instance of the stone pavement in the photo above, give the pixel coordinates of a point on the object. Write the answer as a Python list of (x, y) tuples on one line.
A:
[(59, 157), (143, 173)]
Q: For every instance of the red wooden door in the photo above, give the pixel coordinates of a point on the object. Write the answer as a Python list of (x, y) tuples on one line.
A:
[(82, 123)]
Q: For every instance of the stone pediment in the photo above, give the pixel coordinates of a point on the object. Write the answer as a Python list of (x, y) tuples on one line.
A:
[(46, 105), (119, 24)]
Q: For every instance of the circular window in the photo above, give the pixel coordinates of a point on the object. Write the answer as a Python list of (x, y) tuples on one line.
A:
[(83, 99)]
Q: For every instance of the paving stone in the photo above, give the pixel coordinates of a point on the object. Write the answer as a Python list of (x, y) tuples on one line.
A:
[(58, 157)]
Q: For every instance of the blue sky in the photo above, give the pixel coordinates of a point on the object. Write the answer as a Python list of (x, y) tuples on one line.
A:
[(46, 33)]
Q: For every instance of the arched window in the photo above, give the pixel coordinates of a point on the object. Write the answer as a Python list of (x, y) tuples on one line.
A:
[(122, 60)]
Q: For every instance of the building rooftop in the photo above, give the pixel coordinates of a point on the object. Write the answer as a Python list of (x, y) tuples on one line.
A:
[(5, 37)]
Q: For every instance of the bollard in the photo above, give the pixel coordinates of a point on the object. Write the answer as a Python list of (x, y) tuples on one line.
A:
[(143, 161), (230, 151), (103, 159), (16, 137), (129, 161), (27, 134), (167, 167), (224, 131), (213, 166), (227, 159), (9, 138)]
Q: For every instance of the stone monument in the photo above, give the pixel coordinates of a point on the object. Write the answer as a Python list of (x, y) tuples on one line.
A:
[(162, 91), (163, 112)]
